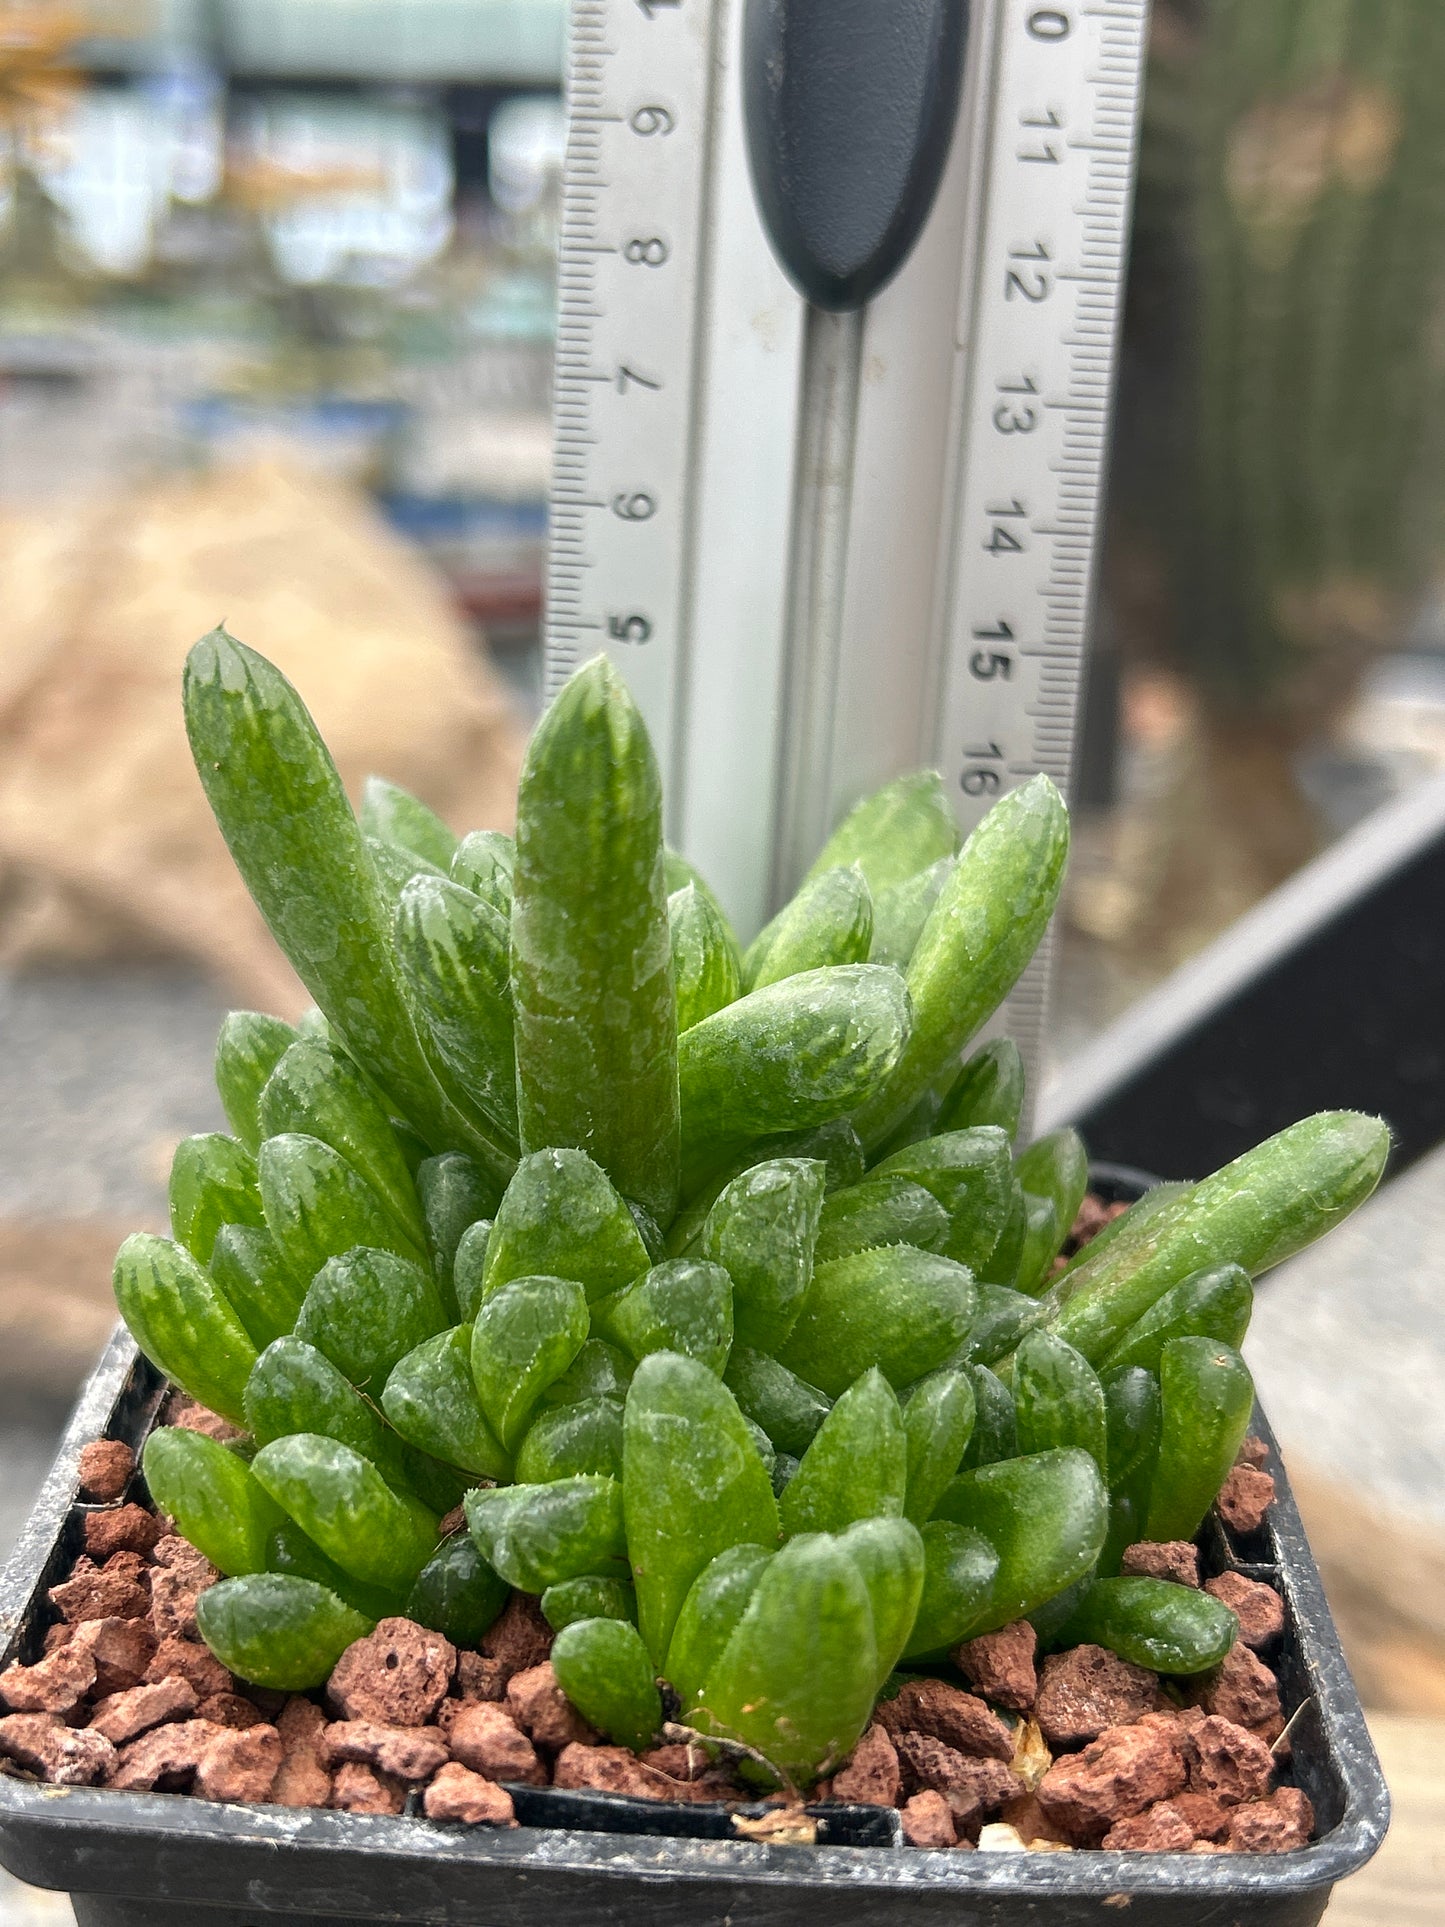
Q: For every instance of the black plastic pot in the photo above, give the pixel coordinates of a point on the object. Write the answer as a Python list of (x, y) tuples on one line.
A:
[(161, 1860)]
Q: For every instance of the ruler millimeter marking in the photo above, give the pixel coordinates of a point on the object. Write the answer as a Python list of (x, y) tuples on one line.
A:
[(984, 373)]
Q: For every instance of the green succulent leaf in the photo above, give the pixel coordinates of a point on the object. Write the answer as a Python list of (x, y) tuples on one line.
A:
[(525, 1336), (290, 1550), (455, 1194), (592, 1596), (484, 863), (213, 1182), (715, 1603), (881, 1211), (535, 1536), (339, 1499), (1256, 1211), (457, 1593), (248, 1049), (596, 1019), (890, 1555), (960, 1576), (366, 1310), (561, 1217), (1207, 1396), (798, 1677), (939, 1413), (1057, 1167), (988, 1090), (295, 1388), (686, 1454), (562, 1440), (209, 1491), (1058, 1400), (775, 1399), (995, 1430), (396, 816), (182, 1323), (903, 1310), (603, 1667), (704, 957), (1209, 1304), (1045, 1516), (988, 920), (317, 1090), (281, 807), (855, 1468), (789, 1056), (248, 1270), (900, 912), (431, 1400), (1154, 1623), (903, 828), (829, 921), (278, 1630), (763, 1230), (319, 1206), (968, 1173), (455, 953), (684, 1305)]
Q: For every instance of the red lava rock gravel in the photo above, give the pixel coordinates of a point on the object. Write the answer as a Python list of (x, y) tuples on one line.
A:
[(126, 1528), (55, 1684), (1174, 1559), (490, 1742), (1243, 1690), (1246, 1498), (126, 1695), (928, 1821), (397, 1675), (176, 1658), (362, 1789), (1258, 1607), (1277, 1825), (1118, 1775), (238, 1766), (872, 1777), (543, 1711), (975, 1788), (405, 1752), (167, 1753), (231, 1709), (1087, 1690), (63, 1755), (1163, 1829), (480, 1678), (125, 1716), (521, 1638), (118, 1590), (612, 1769), (1228, 1761), (1001, 1665), (459, 1794), (944, 1712), (122, 1650), (1208, 1819), (105, 1468)]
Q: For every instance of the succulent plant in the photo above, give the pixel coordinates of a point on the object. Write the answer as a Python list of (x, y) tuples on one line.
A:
[(706, 1282)]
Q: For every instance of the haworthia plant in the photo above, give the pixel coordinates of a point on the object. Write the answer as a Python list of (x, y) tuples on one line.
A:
[(710, 1283)]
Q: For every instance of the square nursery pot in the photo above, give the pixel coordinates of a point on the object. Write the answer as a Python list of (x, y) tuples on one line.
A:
[(169, 1860)]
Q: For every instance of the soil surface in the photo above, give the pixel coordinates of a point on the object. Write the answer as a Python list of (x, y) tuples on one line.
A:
[(1006, 1750)]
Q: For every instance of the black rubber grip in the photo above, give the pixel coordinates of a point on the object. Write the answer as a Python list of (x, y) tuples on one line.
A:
[(850, 109)]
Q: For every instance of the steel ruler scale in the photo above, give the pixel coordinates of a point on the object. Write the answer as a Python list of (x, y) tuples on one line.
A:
[(825, 547)]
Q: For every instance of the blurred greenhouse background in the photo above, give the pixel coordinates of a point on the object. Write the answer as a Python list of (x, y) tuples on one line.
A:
[(276, 325)]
